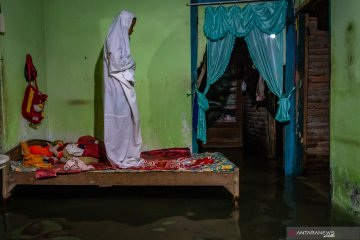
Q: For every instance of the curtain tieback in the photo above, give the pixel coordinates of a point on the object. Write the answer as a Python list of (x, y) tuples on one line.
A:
[(282, 114), (203, 107), (202, 101)]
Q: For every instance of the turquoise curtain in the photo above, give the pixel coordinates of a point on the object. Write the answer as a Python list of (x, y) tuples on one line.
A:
[(267, 54), (216, 66), (269, 17), (256, 22)]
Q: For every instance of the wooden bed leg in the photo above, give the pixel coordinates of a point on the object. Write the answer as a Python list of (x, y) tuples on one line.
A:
[(5, 183), (233, 187), (237, 188), (236, 203)]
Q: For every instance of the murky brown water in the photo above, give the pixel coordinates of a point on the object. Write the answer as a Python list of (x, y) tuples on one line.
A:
[(269, 202)]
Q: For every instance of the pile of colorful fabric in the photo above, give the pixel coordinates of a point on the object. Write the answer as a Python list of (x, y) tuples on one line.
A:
[(85, 154), (33, 156), (59, 157)]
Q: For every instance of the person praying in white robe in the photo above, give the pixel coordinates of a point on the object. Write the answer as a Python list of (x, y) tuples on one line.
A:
[(122, 135)]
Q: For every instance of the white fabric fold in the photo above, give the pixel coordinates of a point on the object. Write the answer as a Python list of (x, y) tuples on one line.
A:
[(122, 134)]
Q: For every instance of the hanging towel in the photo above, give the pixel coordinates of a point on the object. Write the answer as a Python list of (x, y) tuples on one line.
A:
[(260, 88)]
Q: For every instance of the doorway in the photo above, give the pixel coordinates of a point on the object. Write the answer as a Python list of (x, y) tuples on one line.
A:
[(241, 108)]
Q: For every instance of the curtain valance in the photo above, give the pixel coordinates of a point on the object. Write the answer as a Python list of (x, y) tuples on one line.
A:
[(269, 17)]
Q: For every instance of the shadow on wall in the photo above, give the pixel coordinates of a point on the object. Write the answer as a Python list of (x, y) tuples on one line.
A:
[(98, 98)]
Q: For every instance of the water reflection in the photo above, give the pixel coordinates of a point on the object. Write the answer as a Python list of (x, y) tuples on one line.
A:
[(122, 213), (177, 227), (289, 200)]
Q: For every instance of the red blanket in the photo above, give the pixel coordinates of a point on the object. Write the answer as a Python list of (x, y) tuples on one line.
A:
[(160, 159)]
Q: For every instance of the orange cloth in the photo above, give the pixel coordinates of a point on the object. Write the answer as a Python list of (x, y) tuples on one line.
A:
[(39, 150), (32, 160)]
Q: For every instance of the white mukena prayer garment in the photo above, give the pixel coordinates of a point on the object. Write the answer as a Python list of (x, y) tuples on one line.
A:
[(122, 135)]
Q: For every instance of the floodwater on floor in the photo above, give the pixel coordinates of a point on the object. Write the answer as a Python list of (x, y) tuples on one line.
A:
[(269, 202)]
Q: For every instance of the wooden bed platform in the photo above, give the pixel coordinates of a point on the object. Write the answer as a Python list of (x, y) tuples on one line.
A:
[(229, 180)]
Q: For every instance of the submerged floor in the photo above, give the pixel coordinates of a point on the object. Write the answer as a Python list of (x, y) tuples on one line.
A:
[(269, 202)]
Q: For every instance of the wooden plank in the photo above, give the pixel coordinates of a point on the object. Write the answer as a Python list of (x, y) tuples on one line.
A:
[(317, 124), (5, 182), (301, 83), (229, 180), (128, 179)]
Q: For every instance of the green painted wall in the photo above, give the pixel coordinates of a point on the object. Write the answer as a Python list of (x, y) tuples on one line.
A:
[(24, 34), (201, 35), (72, 36), (75, 31), (344, 114)]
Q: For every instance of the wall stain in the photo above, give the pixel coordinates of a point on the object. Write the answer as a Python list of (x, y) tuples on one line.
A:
[(350, 58), (347, 140), (79, 102), (354, 194)]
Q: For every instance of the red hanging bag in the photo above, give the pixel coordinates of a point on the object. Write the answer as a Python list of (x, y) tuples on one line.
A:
[(33, 104)]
